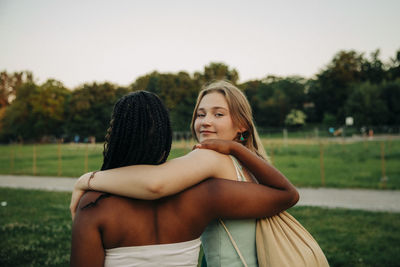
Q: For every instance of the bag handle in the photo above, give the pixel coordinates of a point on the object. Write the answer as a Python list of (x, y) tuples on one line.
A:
[(233, 243)]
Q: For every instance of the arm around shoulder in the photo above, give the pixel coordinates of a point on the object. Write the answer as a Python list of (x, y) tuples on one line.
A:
[(184, 172), (239, 200), (154, 181), (151, 181), (264, 172)]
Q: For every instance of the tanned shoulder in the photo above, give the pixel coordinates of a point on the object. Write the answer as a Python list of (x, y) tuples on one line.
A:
[(212, 159)]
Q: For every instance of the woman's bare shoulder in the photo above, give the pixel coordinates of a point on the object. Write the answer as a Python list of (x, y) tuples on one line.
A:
[(209, 155), (222, 163), (91, 198)]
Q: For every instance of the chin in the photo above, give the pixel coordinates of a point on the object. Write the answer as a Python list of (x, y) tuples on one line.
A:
[(203, 138)]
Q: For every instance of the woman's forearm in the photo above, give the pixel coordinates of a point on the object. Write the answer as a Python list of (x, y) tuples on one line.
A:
[(153, 181), (265, 173), (126, 181)]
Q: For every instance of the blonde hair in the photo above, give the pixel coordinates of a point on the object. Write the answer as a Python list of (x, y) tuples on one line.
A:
[(240, 112)]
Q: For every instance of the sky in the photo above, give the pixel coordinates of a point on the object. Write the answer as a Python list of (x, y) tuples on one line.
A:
[(84, 41)]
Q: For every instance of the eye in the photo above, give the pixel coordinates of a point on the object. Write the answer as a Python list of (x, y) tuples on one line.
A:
[(199, 115), (219, 114)]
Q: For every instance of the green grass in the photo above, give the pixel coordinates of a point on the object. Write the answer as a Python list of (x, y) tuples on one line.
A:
[(353, 238), (35, 229), (18, 159), (354, 165), (346, 165)]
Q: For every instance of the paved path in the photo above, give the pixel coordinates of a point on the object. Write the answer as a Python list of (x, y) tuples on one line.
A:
[(363, 199)]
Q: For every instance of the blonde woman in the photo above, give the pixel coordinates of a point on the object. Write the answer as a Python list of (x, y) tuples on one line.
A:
[(221, 112)]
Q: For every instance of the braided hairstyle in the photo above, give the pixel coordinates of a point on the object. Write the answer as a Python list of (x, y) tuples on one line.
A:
[(139, 132)]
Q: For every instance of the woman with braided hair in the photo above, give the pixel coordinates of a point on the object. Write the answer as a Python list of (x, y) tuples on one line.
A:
[(164, 229)]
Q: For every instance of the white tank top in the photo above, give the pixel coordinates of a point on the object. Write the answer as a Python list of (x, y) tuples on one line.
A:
[(175, 254)]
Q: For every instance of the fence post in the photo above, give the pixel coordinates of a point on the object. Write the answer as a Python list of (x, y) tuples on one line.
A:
[(285, 137), (59, 158), (34, 160), (316, 133), (321, 161), (384, 178)]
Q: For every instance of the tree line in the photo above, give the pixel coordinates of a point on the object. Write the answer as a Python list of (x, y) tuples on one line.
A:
[(352, 84)]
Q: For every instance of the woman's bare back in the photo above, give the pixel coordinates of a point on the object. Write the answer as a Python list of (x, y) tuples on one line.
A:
[(132, 222)]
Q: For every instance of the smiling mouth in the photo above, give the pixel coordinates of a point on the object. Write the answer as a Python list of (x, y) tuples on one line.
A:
[(206, 132)]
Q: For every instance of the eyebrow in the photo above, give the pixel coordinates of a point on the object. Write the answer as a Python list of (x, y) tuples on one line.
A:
[(213, 108)]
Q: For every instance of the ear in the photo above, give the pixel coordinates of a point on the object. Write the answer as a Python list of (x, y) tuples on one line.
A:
[(241, 129)]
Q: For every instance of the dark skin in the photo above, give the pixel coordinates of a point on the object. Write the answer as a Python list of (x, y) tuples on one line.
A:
[(120, 222)]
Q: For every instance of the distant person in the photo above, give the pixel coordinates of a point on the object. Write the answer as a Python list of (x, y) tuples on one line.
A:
[(221, 112)]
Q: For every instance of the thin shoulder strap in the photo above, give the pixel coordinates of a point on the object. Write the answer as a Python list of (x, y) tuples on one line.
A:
[(238, 168), (233, 243), (239, 171)]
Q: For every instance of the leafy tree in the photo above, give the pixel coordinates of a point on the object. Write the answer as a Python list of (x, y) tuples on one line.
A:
[(390, 95), (273, 98), (48, 108), (90, 109), (178, 92), (258, 92), (331, 89), (366, 106), (330, 120), (217, 71), (37, 111), (295, 118), (18, 121), (9, 84), (393, 71), (373, 70)]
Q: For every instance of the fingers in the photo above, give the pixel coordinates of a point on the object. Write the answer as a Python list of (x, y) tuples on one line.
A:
[(210, 142), (221, 146), (76, 196), (203, 146), (72, 209), (206, 144), (72, 213), (196, 146)]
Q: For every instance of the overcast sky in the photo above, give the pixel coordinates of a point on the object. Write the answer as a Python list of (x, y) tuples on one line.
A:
[(117, 41)]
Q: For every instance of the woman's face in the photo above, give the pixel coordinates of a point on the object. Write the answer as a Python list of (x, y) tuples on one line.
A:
[(213, 119)]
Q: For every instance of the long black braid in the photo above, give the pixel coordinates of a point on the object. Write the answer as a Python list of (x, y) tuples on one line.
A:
[(139, 132)]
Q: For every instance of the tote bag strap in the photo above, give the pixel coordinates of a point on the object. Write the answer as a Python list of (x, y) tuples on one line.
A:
[(233, 243)]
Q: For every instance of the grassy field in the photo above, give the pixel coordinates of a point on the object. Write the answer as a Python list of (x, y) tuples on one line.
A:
[(35, 229), (345, 164)]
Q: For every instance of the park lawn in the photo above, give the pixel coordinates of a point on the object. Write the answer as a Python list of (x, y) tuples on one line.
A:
[(346, 165), (18, 159), (353, 165), (35, 229)]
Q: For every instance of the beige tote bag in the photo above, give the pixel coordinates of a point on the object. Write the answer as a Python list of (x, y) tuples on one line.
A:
[(283, 242)]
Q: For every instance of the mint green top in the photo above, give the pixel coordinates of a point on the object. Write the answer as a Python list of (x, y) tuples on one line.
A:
[(217, 246)]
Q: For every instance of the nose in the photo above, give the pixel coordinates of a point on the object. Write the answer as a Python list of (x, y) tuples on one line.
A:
[(207, 120)]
